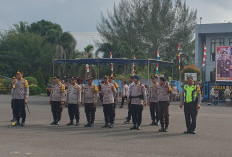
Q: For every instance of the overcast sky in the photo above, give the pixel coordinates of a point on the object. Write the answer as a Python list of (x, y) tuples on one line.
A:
[(80, 17)]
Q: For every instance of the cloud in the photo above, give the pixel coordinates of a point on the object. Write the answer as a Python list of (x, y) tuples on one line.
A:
[(212, 11), (82, 15)]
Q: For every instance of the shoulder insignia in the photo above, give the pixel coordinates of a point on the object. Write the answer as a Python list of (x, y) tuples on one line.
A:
[(62, 88), (95, 89), (26, 84)]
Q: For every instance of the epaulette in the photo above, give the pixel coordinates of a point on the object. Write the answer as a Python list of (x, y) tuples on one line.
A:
[(62, 88), (26, 84)]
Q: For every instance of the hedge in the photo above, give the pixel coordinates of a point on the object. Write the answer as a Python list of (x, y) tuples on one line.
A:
[(31, 80), (34, 89)]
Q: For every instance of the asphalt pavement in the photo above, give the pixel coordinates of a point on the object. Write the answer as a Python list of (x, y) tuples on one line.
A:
[(39, 139)]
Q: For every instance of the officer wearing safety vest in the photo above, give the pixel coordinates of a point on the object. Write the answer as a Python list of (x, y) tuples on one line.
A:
[(191, 101), (20, 93)]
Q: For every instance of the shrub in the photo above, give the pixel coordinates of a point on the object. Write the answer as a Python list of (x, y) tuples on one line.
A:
[(6, 83), (191, 69), (31, 80), (43, 89), (34, 89)]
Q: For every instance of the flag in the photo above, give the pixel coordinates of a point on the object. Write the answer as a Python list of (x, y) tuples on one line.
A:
[(133, 67), (111, 66), (110, 54), (204, 56), (86, 55), (87, 65), (158, 55), (157, 65), (87, 68), (179, 49)]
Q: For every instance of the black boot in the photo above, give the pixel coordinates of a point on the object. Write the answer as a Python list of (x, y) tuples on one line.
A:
[(166, 128), (187, 131), (161, 129), (52, 123), (133, 127), (111, 125), (87, 125), (91, 125), (138, 127), (77, 123), (70, 123), (152, 123), (17, 123), (22, 124), (105, 126)]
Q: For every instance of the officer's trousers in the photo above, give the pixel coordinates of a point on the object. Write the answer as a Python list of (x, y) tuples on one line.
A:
[(129, 112), (73, 111), (12, 107), (137, 114), (90, 110), (19, 109), (109, 113), (123, 99), (154, 111), (190, 112), (163, 110), (56, 110)]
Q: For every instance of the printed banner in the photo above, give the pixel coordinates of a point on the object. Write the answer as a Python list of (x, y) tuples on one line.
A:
[(224, 63)]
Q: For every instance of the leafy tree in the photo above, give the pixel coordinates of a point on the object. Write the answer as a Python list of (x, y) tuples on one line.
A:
[(40, 78), (142, 27)]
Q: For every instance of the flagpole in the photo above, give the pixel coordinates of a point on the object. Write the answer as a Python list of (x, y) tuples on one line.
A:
[(179, 49)]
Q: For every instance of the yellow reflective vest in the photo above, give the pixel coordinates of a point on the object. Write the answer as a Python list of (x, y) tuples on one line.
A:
[(191, 92)]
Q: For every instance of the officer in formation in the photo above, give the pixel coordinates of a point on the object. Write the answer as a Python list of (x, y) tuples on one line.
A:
[(20, 93), (158, 99), (128, 118), (12, 100), (153, 101), (73, 100), (124, 93), (57, 100), (109, 92), (190, 99), (137, 94), (111, 80), (90, 98), (164, 91)]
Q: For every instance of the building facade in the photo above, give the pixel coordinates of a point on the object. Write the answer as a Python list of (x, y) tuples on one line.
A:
[(219, 34)]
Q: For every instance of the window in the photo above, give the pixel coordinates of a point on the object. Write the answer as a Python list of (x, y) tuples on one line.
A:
[(230, 41), (214, 44)]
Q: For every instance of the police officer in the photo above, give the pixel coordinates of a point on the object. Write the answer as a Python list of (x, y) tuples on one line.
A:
[(20, 93), (12, 100), (128, 118), (111, 80), (164, 91), (191, 101), (124, 93), (109, 92), (90, 98), (137, 95), (73, 100), (57, 99), (153, 101)]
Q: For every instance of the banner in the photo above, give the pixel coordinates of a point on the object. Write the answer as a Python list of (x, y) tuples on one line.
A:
[(224, 63), (194, 75)]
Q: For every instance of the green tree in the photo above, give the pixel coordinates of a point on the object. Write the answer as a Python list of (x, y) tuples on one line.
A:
[(142, 27)]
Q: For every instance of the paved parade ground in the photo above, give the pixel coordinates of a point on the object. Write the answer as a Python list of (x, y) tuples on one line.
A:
[(39, 139)]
